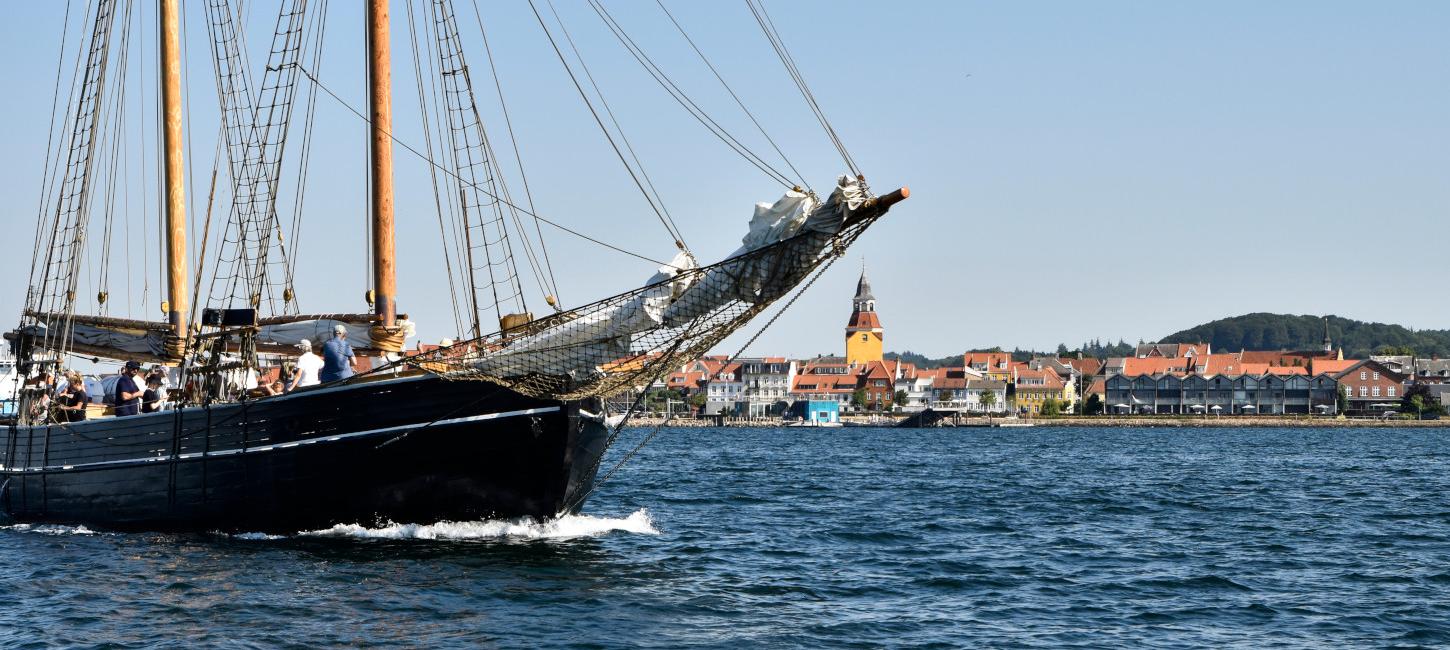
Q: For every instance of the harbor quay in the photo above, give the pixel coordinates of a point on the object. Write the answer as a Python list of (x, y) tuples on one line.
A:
[(1104, 421)]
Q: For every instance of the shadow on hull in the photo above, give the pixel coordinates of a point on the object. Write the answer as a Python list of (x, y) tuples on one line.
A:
[(409, 450)]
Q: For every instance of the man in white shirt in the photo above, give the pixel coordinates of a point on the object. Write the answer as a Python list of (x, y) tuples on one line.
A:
[(308, 366)]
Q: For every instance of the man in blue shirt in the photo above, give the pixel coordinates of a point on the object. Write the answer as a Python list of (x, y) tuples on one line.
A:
[(128, 395), (336, 356)]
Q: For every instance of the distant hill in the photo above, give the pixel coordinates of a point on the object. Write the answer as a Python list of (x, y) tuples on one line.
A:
[(1289, 332), (922, 361)]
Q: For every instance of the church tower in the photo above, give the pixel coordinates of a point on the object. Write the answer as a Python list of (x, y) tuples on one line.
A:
[(863, 331)]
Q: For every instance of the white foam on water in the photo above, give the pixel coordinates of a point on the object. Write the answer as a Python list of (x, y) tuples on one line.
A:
[(566, 527), (256, 536), (49, 529)]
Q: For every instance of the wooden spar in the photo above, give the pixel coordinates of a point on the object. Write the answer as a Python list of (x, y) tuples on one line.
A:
[(175, 179), (877, 206), (380, 75), (101, 321)]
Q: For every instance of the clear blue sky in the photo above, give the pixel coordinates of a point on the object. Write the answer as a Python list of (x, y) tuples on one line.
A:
[(1079, 170)]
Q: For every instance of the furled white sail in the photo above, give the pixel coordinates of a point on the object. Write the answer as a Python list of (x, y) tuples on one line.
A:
[(679, 293), (317, 330)]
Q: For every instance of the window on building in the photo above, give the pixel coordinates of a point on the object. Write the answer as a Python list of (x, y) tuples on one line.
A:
[(1364, 391), (1376, 376), (1375, 391), (1390, 391), (1363, 375), (864, 337)]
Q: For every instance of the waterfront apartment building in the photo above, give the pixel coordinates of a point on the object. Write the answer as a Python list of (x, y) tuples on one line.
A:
[(1269, 393)]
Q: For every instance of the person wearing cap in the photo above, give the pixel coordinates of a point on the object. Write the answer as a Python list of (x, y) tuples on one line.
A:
[(336, 356), (128, 394), (154, 399), (309, 367)]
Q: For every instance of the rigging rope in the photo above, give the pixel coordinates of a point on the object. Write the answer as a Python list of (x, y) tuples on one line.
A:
[(257, 134), (46, 171), (432, 172), (799, 176), (684, 100), (485, 229), (768, 27), (319, 32), (669, 416), (430, 161), (56, 292), (664, 220), (518, 158), (588, 74)]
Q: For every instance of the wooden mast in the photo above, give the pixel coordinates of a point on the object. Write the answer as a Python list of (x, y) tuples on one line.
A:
[(380, 76), (176, 306)]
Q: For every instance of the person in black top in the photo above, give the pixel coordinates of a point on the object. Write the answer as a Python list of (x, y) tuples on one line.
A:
[(72, 401), (151, 399), (128, 395)]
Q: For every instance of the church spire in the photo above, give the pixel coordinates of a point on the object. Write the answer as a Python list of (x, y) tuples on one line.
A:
[(863, 332), (864, 301), (1328, 344)]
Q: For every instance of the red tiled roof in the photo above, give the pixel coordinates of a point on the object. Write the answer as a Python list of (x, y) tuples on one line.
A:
[(685, 379), (1134, 367), (1288, 370), (1331, 366), (1219, 364), (824, 384), (1087, 366), (864, 320), (1285, 358), (1049, 377), (991, 359)]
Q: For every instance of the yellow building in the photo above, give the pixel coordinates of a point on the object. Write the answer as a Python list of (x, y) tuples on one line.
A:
[(864, 338), (1033, 388)]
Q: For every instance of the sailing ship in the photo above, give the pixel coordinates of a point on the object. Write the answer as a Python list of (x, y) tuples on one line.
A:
[(501, 423)]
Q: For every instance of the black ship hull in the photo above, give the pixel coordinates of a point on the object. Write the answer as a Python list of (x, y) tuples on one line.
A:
[(412, 449)]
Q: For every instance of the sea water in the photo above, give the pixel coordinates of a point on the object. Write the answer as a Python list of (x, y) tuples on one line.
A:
[(1046, 537)]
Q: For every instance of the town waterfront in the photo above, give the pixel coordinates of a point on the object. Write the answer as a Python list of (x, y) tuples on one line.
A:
[(1044, 537)]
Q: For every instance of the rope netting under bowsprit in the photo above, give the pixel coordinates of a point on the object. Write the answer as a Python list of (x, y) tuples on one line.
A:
[(629, 340)]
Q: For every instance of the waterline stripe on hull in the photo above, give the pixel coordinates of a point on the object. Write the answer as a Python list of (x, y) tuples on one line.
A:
[(288, 445)]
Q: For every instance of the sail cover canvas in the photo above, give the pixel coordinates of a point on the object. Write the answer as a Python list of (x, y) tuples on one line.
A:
[(680, 293)]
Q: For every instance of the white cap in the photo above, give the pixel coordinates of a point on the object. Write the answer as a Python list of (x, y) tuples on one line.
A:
[(305, 344), (339, 329)]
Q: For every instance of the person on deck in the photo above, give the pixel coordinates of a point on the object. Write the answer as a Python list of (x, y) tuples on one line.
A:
[(128, 394), (159, 372), (337, 356), (309, 366), (155, 396), (73, 399)]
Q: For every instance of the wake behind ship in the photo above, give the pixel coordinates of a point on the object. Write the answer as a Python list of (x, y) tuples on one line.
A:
[(505, 423)]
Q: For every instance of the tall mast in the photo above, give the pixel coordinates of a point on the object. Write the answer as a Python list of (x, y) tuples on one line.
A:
[(380, 75), (175, 191)]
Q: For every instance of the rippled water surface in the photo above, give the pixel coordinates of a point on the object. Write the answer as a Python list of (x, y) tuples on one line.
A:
[(808, 538)]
